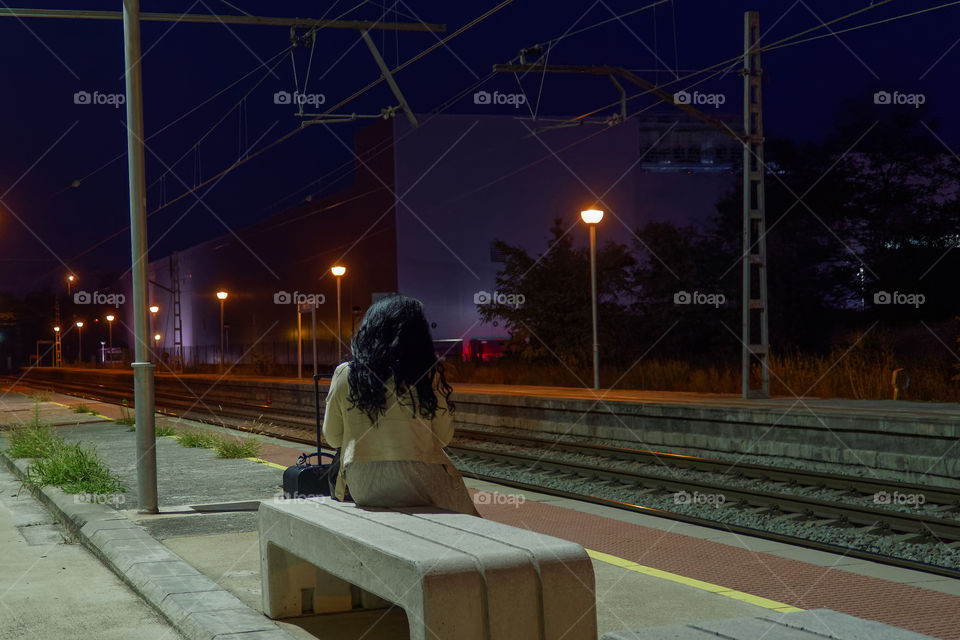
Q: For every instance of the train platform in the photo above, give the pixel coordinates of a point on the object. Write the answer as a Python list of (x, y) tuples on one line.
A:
[(656, 578)]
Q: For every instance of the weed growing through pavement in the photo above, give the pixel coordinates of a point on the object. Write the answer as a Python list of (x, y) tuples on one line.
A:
[(82, 408), (41, 396), (75, 469), (31, 441), (197, 439), (126, 416), (228, 447), (71, 467)]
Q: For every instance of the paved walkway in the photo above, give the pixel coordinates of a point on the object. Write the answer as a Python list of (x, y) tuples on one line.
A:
[(650, 571), (54, 588)]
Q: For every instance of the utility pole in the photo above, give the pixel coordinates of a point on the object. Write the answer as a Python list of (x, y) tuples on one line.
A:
[(756, 339), (131, 17), (143, 397)]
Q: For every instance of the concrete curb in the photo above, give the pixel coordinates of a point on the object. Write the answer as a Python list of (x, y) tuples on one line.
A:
[(195, 605)]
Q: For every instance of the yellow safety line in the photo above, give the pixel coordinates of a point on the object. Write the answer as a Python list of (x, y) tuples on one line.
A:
[(692, 582), (267, 462), (91, 413)]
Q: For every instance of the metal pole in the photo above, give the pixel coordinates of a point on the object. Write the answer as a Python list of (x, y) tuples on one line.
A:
[(110, 333), (221, 335), (142, 367), (339, 326), (80, 345), (313, 314), (593, 290), (299, 343)]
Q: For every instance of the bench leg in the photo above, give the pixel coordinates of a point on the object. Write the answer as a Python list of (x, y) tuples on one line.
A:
[(293, 587)]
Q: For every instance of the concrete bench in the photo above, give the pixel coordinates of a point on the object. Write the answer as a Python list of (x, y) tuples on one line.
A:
[(456, 576)]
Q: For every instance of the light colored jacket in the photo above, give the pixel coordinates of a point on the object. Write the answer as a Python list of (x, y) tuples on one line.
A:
[(398, 434)]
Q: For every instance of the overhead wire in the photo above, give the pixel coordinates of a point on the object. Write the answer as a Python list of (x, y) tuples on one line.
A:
[(293, 132)]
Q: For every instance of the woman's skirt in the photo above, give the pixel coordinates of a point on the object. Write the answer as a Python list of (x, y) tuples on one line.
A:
[(407, 483)]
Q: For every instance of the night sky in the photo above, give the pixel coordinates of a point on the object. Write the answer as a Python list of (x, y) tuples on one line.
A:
[(48, 227)]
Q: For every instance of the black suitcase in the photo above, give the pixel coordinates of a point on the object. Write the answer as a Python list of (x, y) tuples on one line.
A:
[(305, 480)]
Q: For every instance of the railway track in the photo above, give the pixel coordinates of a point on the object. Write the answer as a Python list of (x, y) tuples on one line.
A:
[(503, 458)]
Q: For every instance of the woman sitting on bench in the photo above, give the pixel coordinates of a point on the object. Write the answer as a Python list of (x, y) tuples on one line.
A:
[(389, 411)]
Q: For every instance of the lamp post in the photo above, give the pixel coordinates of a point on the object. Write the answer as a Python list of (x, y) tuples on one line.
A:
[(70, 279), (156, 342), (222, 296), (592, 217), (80, 341), (338, 271), (110, 320)]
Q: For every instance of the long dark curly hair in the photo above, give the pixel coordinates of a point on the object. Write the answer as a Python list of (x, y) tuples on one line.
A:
[(394, 342)]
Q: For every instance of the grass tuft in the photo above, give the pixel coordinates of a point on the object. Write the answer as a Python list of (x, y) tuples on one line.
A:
[(197, 439), (71, 467), (82, 408), (31, 441), (41, 396), (74, 469), (126, 417), (228, 447)]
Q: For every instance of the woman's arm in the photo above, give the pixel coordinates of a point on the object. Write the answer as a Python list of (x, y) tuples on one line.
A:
[(333, 409)]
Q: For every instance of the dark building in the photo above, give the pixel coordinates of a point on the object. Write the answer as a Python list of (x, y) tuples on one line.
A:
[(419, 218)]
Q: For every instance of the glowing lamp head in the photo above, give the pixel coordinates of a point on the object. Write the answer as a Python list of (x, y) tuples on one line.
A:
[(56, 329), (154, 308), (222, 295), (156, 337), (110, 318), (70, 278), (79, 324), (591, 216), (338, 270)]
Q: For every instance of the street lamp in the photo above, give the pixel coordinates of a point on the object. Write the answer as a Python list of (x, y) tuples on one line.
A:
[(70, 279), (110, 320), (592, 217), (338, 271), (156, 341), (221, 295), (80, 341)]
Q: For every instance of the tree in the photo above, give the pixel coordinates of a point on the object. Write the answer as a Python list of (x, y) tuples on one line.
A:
[(554, 318)]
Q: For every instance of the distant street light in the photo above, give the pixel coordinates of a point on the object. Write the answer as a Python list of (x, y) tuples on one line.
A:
[(80, 341), (592, 217), (110, 319), (338, 271), (156, 341), (70, 279), (221, 295), (57, 354), (153, 317)]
